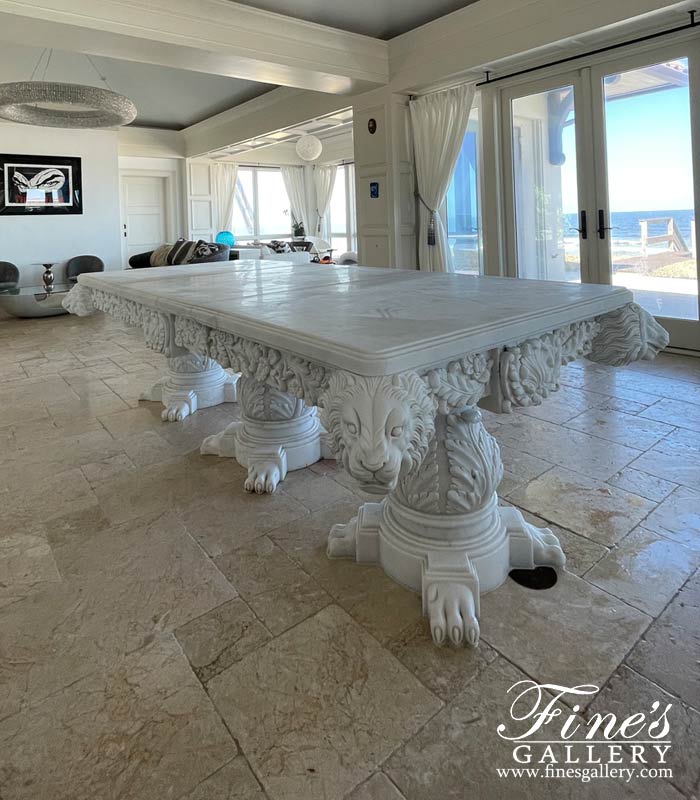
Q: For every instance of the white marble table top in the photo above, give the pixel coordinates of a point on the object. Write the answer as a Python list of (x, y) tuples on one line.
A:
[(362, 319)]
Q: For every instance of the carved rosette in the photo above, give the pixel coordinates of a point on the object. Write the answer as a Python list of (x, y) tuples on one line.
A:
[(378, 427), (79, 301), (628, 334), (461, 471), (461, 383)]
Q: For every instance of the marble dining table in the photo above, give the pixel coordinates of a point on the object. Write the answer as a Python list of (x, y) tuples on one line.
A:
[(386, 369)]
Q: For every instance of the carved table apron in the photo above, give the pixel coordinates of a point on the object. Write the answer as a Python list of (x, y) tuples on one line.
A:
[(396, 362)]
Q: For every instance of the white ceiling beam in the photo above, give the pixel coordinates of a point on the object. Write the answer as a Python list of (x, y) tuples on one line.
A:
[(214, 36), (281, 108), (460, 44)]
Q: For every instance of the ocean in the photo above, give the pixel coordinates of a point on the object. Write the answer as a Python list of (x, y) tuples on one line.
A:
[(625, 224)]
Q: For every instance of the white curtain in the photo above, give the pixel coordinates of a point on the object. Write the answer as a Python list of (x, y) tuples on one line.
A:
[(439, 122), (302, 209), (225, 176), (324, 178)]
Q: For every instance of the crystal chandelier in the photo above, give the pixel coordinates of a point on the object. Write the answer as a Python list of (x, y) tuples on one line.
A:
[(64, 105)]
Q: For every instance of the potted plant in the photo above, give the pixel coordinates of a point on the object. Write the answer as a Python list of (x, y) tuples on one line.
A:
[(297, 229)]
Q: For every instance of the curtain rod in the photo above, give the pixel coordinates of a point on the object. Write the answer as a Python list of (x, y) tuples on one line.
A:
[(692, 24)]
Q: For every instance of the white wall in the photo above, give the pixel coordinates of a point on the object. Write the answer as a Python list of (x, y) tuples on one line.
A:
[(27, 240)]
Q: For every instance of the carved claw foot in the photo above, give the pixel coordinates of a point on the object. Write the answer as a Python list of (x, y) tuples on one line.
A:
[(452, 613), (531, 547), (176, 411), (263, 477), (342, 540)]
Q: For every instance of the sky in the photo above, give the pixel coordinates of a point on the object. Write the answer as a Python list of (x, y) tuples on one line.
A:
[(648, 154)]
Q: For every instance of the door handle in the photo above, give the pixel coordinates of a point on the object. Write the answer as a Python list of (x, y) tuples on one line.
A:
[(602, 227), (583, 230)]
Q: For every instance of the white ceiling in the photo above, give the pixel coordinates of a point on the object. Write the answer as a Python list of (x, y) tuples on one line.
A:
[(325, 127), (164, 97), (382, 19)]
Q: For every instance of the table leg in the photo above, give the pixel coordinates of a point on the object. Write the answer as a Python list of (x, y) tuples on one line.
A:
[(439, 531), (193, 381), (276, 433)]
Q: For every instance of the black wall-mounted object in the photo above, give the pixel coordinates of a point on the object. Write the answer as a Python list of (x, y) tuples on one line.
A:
[(40, 185)]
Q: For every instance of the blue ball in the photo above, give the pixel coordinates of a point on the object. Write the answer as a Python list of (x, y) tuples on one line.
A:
[(225, 237)]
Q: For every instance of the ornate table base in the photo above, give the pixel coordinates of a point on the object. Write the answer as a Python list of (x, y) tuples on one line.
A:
[(441, 532), (192, 382), (277, 433)]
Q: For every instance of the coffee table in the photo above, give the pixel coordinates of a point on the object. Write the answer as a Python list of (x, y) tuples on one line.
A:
[(34, 301)]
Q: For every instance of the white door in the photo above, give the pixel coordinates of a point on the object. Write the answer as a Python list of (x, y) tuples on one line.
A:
[(144, 217)]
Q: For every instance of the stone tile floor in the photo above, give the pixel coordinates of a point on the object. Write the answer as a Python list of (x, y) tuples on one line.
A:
[(164, 635)]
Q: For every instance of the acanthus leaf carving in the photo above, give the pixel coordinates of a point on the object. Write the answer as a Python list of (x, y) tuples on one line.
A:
[(286, 372), (628, 334), (529, 372), (79, 301), (261, 402), (462, 382)]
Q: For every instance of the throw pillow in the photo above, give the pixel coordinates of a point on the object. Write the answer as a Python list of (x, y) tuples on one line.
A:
[(203, 249), (159, 257), (181, 251)]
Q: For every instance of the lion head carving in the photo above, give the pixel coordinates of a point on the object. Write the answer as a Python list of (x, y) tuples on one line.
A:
[(379, 427)]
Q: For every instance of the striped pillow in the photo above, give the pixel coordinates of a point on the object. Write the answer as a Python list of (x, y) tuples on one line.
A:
[(181, 252)]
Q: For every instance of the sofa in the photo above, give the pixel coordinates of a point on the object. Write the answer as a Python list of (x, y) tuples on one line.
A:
[(182, 252)]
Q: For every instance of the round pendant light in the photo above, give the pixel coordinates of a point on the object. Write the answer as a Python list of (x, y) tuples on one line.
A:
[(309, 147), (64, 105)]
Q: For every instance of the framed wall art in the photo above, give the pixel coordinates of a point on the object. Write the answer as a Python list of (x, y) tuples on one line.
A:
[(40, 185)]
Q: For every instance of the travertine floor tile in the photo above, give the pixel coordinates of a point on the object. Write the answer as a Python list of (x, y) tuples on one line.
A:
[(259, 567), (628, 693), (234, 781), (121, 587), (231, 517), (315, 491), (564, 404), (446, 671), (678, 517), (586, 454), (284, 606), (642, 484), (221, 637), (26, 558), (143, 730), (676, 412), (627, 429), (581, 553), (572, 633), (378, 787), (320, 707), (645, 570), (669, 652), (591, 508)]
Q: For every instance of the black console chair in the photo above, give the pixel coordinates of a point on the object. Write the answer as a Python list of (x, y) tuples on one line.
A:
[(9, 275), (79, 264)]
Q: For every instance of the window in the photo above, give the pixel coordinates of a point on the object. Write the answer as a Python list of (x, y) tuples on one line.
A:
[(463, 213), (261, 207), (341, 221)]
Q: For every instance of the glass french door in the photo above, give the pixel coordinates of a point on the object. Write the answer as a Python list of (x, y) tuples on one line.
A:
[(599, 174), (547, 193), (646, 146)]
